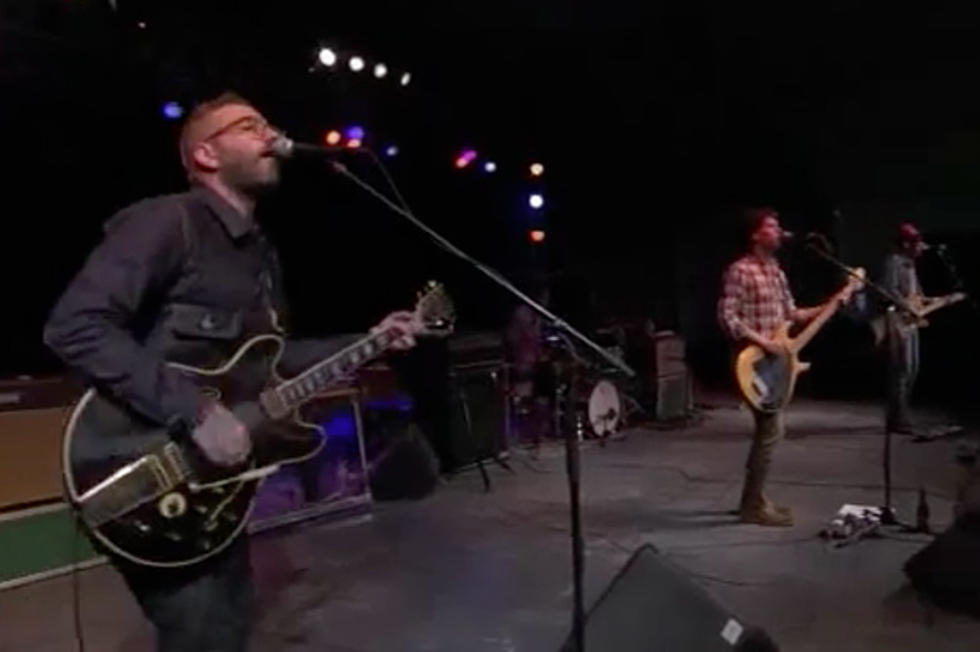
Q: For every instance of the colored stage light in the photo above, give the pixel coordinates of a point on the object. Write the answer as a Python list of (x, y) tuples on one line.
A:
[(465, 157), (173, 110)]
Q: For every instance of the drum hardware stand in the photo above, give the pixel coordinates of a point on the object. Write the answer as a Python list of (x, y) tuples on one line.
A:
[(571, 448)]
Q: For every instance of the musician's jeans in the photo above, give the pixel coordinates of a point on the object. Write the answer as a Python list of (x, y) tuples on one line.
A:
[(768, 431), (903, 367), (204, 608)]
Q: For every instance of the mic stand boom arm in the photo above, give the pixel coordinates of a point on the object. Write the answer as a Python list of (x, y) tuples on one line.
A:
[(495, 276), (850, 271)]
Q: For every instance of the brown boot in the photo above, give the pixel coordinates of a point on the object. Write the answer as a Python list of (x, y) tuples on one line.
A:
[(773, 507), (755, 508), (764, 515)]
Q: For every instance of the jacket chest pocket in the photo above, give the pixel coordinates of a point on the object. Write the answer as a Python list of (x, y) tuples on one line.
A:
[(190, 321)]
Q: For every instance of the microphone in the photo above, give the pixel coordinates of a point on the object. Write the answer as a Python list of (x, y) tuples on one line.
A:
[(285, 148), (787, 235)]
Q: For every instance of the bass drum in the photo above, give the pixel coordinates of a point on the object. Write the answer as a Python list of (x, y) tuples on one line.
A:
[(605, 409)]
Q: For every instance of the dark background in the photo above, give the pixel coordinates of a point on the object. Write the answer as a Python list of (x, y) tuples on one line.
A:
[(656, 125)]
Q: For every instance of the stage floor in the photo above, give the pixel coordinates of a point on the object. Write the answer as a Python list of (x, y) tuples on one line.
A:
[(464, 570)]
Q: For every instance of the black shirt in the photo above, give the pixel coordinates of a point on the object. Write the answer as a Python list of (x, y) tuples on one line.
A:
[(184, 278)]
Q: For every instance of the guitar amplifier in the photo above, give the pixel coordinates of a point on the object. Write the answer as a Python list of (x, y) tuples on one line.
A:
[(32, 416), (674, 398), (671, 379), (476, 347), (477, 411)]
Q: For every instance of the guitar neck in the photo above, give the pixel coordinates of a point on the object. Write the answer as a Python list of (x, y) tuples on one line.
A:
[(817, 323), (941, 302), (291, 394)]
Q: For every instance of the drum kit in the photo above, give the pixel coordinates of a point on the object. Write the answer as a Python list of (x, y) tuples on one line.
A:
[(591, 398)]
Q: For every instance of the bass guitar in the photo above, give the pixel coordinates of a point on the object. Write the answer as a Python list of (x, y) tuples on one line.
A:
[(767, 381)]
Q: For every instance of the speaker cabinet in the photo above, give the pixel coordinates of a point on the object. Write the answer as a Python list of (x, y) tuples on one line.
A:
[(477, 405)]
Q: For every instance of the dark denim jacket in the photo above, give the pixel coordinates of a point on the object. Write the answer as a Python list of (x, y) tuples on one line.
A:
[(182, 278)]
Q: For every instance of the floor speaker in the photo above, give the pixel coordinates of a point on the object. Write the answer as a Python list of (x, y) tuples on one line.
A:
[(405, 467), (947, 571), (653, 606)]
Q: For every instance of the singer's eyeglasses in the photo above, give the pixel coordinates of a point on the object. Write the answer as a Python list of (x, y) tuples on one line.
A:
[(250, 124)]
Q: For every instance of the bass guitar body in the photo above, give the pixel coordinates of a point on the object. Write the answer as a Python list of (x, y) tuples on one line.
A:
[(767, 381)]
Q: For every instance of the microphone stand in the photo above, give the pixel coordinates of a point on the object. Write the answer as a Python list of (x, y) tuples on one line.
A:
[(572, 463), (958, 284), (887, 512)]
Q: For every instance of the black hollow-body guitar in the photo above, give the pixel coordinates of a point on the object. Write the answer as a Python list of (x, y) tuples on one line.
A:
[(152, 499)]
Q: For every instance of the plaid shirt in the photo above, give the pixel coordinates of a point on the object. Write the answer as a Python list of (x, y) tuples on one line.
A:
[(756, 296)]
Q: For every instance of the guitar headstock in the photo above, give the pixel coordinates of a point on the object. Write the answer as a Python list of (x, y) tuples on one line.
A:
[(855, 281), (434, 310)]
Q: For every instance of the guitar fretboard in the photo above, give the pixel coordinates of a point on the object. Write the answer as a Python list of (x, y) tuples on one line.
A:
[(298, 390)]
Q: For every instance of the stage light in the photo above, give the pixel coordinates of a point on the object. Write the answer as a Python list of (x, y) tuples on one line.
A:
[(406, 79), (332, 137), (391, 151), (537, 169), (141, 24), (356, 64), (354, 143), (489, 167), (380, 70), (536, 235), (465, 158), (327, 57), (173, 110), (355, 133), (535, 201)]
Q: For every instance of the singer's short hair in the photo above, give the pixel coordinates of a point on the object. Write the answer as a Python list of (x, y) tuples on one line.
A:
[(752, 219), (190, 131)]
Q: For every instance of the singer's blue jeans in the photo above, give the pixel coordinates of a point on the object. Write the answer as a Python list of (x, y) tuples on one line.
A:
[(203, 608)]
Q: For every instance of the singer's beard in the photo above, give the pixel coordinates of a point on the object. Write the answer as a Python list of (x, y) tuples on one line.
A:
[(253, 178)]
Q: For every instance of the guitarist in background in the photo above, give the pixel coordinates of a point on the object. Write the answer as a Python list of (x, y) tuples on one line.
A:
[(902, 343), (755, 301), (188, 278)]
